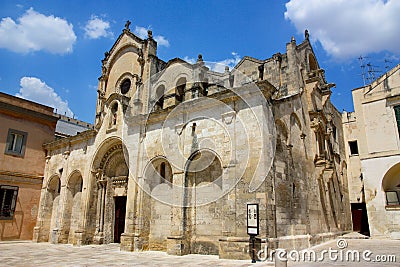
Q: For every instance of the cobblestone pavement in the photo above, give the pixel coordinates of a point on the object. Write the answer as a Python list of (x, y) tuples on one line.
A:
[(45, 254)]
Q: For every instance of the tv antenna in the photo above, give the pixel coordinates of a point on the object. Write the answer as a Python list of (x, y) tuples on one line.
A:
[(362, 66), (387, 67), (371, 72)]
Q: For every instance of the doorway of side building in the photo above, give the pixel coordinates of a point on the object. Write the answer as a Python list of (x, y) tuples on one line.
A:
[(119, 222), (360, 218)]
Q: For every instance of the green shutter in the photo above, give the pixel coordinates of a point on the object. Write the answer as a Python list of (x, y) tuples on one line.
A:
[(397, 114)]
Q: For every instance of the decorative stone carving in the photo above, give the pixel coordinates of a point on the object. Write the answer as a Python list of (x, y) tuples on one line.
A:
[(228, 117), (119, 181), (315, 123), (108, 154), (306, 35), (150, 34)]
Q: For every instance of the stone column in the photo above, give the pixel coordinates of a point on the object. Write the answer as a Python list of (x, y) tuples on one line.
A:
[(99, 235)]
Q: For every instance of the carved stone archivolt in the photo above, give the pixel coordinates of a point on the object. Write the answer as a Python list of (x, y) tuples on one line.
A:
[(113, 165), (108, 155)]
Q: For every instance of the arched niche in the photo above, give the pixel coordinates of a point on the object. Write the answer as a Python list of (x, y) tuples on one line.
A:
[(159, 97), (52, 206), (204, 166), (72, 206), (158, 171), (180, 90)]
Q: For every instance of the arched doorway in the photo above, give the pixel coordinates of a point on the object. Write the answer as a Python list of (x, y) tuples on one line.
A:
[(111, 178)]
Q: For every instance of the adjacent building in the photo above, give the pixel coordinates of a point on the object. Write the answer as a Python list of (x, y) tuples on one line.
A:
[(67, 126), (178, 150), (372, 134), (25, 127)]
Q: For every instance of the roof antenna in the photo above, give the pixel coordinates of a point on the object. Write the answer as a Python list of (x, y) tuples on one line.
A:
[(387, 65), (362, 66), (371, 72)]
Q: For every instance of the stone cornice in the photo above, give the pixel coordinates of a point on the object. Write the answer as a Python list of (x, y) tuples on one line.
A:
[(68, 141), (13, 110)]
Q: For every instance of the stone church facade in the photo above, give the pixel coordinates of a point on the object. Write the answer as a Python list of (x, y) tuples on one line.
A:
[(178, 150)]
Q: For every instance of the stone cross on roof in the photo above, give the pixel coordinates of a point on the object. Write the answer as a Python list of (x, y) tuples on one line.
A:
[(127, 24)]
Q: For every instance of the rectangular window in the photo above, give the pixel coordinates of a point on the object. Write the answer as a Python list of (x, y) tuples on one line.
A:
[(392, 197), (353, 147), (16, 141), (8, 199), (397, 114)]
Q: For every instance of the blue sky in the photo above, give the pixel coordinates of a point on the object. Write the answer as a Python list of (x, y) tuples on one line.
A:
[(51, 51)]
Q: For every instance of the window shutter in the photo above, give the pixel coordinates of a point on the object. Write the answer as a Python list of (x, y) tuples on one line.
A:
[(397, 114)]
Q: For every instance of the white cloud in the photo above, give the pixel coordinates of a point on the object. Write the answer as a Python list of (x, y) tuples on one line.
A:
[(161, 40), (142, 33), (189, 60), (96, 28), (348, 29), (38, 91), (219, 66), (34, 31)]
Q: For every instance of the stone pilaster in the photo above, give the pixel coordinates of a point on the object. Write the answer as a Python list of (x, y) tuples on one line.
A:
[(178, 243), (128, 237)]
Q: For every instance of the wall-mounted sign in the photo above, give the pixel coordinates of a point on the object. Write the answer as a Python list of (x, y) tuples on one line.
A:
[(252, 219)]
